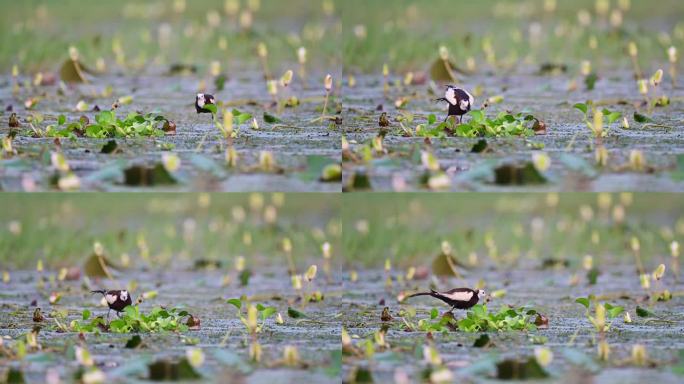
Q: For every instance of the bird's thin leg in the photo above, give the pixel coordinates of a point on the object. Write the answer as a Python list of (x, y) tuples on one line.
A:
[(452, 309), (108, 314)]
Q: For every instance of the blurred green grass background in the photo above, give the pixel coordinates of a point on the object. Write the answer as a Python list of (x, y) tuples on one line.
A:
[(175, 229), (36, 34), (503, 229), (406, 34)]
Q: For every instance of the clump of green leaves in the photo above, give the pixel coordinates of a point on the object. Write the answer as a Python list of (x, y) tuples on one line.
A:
[(157, 320), (603, 312), (254, 312), (479, 125), (479, 319), (108, 125), (436, 323), (597, 125)]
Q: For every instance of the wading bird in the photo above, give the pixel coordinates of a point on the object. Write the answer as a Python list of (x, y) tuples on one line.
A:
[(457, 298), (116, 300), (460, 101), (202, 100)]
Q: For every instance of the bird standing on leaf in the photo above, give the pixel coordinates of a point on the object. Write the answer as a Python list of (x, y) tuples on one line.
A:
[(460, 102)]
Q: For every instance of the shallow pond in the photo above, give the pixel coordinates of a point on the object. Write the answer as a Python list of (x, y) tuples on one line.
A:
[(569, 334)]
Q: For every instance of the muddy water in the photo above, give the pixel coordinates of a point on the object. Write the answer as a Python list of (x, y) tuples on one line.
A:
[(547, 291), (173, 96), (200, 293), (548, 99)]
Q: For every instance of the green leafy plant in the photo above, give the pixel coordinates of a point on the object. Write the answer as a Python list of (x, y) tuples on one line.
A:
[(479, 319), (253, 312), (597, 125), (437, 323), (157, 320), (479, 125), (230, 118), (107, 125), (603, 312)]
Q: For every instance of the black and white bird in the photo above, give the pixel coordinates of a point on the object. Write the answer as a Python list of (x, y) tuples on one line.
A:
[(116, 300), (460, 102), (457, 298), (202, 100)]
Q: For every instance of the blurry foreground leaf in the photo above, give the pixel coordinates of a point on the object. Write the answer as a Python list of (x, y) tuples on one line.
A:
[(514, 174), (141, 175), (513, 369), (166, 370)]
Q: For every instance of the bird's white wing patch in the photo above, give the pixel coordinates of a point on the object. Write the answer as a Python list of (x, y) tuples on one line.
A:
[(459, 296), (124, 295), (200, 100), (471, 99), (110, 298), (450, 95), (464, 104)]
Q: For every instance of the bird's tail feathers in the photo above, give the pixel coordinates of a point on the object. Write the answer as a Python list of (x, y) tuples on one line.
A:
[(102, 291), (422, 294)]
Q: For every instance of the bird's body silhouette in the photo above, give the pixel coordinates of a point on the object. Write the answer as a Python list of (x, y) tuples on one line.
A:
[(457, 298)]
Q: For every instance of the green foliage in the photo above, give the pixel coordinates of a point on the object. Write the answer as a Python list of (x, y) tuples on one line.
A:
[(295, 314), (263, 312), (108, 125), (642, 119), (643, 312), (211, 108), (611, 312), (479, 319), (241, 117), (132, 320), (504, 124), (436, 323), (271, 119), (587, 109)]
